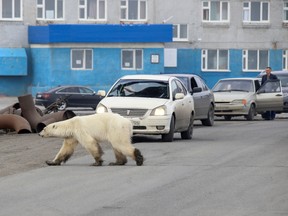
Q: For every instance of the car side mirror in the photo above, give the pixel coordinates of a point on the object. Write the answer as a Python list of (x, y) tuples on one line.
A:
[(101, 93), (196, 90), (179, 96)]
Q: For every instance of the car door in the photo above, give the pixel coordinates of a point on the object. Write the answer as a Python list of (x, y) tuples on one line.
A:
[(87, 97), (182, 106), (269, 97), (201, 99)]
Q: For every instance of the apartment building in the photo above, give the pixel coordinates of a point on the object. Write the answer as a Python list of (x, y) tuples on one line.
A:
[(45, 43)]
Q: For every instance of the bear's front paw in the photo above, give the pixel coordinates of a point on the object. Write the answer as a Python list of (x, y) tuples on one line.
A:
[(53, 163), (98, 163)]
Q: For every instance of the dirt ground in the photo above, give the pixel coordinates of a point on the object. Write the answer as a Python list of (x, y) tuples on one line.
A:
[(23, 152)]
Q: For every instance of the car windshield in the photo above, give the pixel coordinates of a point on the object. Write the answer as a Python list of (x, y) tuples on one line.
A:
[(234, 85), (140, 88)]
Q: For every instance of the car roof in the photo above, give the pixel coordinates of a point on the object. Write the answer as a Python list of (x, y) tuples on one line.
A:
[(274, 72), (147, 77), (183, 75), (241, 78), (64, 86)]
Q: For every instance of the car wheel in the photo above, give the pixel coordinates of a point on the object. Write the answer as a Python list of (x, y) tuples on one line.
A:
[(170, 136), (210, 117), (189, 132), (251, 113), (62, 106), (227, 118)]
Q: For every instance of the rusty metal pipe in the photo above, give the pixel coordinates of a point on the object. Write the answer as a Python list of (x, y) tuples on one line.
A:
[(54, 117), (15, 122), (10, 109), (37, 121)]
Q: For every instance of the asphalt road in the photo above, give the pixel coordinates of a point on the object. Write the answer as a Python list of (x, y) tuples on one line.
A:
[(235, 168)]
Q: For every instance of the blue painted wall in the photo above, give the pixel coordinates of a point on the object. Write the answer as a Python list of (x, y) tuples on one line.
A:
[(13, 62), (51, 67)]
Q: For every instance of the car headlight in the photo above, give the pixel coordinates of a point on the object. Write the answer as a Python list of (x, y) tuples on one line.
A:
[(240, 101), (101, 109), (159, 111)]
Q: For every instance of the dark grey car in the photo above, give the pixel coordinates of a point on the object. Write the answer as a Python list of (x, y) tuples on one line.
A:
[(202, 95)]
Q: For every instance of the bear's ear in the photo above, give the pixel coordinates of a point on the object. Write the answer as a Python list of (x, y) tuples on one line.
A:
[(54, 127)]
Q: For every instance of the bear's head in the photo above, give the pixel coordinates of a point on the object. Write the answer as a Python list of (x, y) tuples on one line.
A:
[(56, 130)]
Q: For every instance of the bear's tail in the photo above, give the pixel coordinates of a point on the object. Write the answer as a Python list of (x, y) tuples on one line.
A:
[(138, 157)]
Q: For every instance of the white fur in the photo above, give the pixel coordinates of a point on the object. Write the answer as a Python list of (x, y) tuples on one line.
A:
[(91, 130)]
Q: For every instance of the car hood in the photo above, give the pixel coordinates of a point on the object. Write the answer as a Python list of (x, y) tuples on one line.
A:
[(135, 102), (230, 96)]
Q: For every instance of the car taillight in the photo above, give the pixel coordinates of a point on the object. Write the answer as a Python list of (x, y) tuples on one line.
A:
[(45, 95)]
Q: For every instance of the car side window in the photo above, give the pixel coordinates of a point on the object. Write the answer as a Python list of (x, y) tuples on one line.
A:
[(193, 83)]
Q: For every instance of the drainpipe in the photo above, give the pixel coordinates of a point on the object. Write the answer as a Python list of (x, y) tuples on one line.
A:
[(15, 122)]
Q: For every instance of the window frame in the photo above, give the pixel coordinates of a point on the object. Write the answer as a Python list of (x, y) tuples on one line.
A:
[(205, 60), (245, 60), (85, 8), (178, 36), (285, 60), (84, 59), (285, 11), (208, 8), (13, 17), (44, 11), (125, 8), (249, 10), (134, 59)]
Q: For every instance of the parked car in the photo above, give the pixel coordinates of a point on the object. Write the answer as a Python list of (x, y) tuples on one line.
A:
[(73, 96), (245, 97), (203, 97), (156, 104), (283, 76)]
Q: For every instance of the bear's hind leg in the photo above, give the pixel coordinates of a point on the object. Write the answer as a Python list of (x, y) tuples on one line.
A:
[(120, 159), (138, 157), (64, 153)]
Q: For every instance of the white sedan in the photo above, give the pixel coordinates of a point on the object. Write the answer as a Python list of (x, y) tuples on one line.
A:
[(156, 105), (245, 97)]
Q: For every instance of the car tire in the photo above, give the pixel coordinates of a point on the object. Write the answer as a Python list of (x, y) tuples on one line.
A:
[(62, 106), (210, 117), (227, 118), (189, 132), (169, 136), (251, 113)]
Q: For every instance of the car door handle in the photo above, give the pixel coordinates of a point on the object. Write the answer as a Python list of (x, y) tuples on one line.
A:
[(278, 95)]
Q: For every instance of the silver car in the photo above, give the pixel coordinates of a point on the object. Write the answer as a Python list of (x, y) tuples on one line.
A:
[(203, 97), (283, 77), (245, 97), (155, 104)]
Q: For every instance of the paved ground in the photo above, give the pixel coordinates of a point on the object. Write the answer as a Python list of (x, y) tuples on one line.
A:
[(23, 152)]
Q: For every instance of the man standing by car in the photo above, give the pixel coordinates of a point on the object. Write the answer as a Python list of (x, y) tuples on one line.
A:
[(268, 75), (269, 115)]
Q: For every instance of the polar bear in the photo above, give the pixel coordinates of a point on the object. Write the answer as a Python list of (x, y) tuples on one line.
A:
[(89, 131)]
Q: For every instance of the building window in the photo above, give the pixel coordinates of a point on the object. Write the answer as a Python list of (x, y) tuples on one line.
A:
[(133, 10), (215, 11), (285, 18), (92, 9), (255, 60), (180, 32), (132, 59), (285, 60), (216, 60), (81, 59), (50, 9), (11, 10), (257, 11)]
